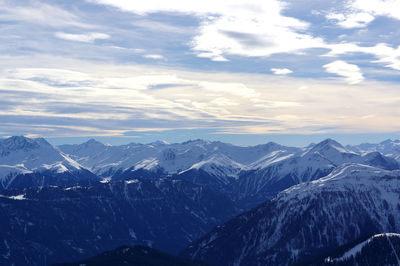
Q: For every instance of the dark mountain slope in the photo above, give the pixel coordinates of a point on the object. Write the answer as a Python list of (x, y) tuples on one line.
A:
[(52, 224)]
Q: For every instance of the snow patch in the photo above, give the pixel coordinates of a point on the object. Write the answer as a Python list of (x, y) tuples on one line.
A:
[(16, 197)]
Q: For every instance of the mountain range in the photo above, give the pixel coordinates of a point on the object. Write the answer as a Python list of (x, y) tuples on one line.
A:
[(307, 219), (249, 175), (293, 205), (26, 162)]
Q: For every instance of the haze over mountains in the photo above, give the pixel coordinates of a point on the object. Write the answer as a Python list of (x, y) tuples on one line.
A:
[(299, 202)]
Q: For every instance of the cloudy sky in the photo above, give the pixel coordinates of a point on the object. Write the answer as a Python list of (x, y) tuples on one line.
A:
[(241, 71)]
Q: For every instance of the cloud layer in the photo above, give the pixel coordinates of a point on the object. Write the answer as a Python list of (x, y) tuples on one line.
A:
[(88, 101), (110, 67)]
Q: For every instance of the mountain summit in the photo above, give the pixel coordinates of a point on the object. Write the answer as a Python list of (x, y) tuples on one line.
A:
[(28, 162)]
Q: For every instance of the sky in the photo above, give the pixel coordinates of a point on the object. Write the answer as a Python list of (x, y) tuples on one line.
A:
[(239, 71)]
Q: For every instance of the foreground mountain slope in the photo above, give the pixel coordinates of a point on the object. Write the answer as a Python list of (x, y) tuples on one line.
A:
[(137, 255), (26, 162), (379, 249), (53, 224), (307, 219)]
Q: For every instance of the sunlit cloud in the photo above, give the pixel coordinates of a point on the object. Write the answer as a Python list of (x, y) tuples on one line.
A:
[(87, 37), (352, 20), (88, 102), (389, 8), (281, 71), (247, 28), (154, 56), (351, 72), (386, 55)]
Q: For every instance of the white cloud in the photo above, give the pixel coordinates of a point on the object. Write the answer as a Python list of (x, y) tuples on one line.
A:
[(389, 8), (359, 13), (154, 56), (88, 37), (352, 20), (281, 71), (239, 27), (386, 55), (259, 28), (352, 73), (237, 89)]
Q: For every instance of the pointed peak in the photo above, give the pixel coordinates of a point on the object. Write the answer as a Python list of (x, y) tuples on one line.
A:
[(390, 141), (387, 141), (328, 142), (21, 142), (272, 144), (329, 145), (92, 142), (159, 143)]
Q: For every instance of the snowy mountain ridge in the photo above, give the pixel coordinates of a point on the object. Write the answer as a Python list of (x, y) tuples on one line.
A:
[(170, 158), (390, 148), (307, 219), (23, 156), (358, 248), (249, 175)]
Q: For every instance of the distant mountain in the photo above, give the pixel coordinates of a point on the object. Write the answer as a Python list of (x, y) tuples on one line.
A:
[(281, 169), (307, 219), (380, 249), (53, 224), (389, 148), (215, 172), (26, 162), (213, 164), (134, 256), (248, 175)]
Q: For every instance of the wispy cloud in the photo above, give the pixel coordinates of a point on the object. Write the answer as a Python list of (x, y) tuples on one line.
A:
[(87, 37), (154, 56), (386, 55), (86, 100), (351, 72), (114, 66), (40, 13)]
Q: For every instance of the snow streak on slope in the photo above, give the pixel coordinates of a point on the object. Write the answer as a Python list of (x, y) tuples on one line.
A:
[(357, 249)]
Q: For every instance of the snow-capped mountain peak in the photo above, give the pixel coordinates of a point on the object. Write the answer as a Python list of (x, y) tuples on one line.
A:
[(217, 165), (21, 156), (21, 143), (329, 147)]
